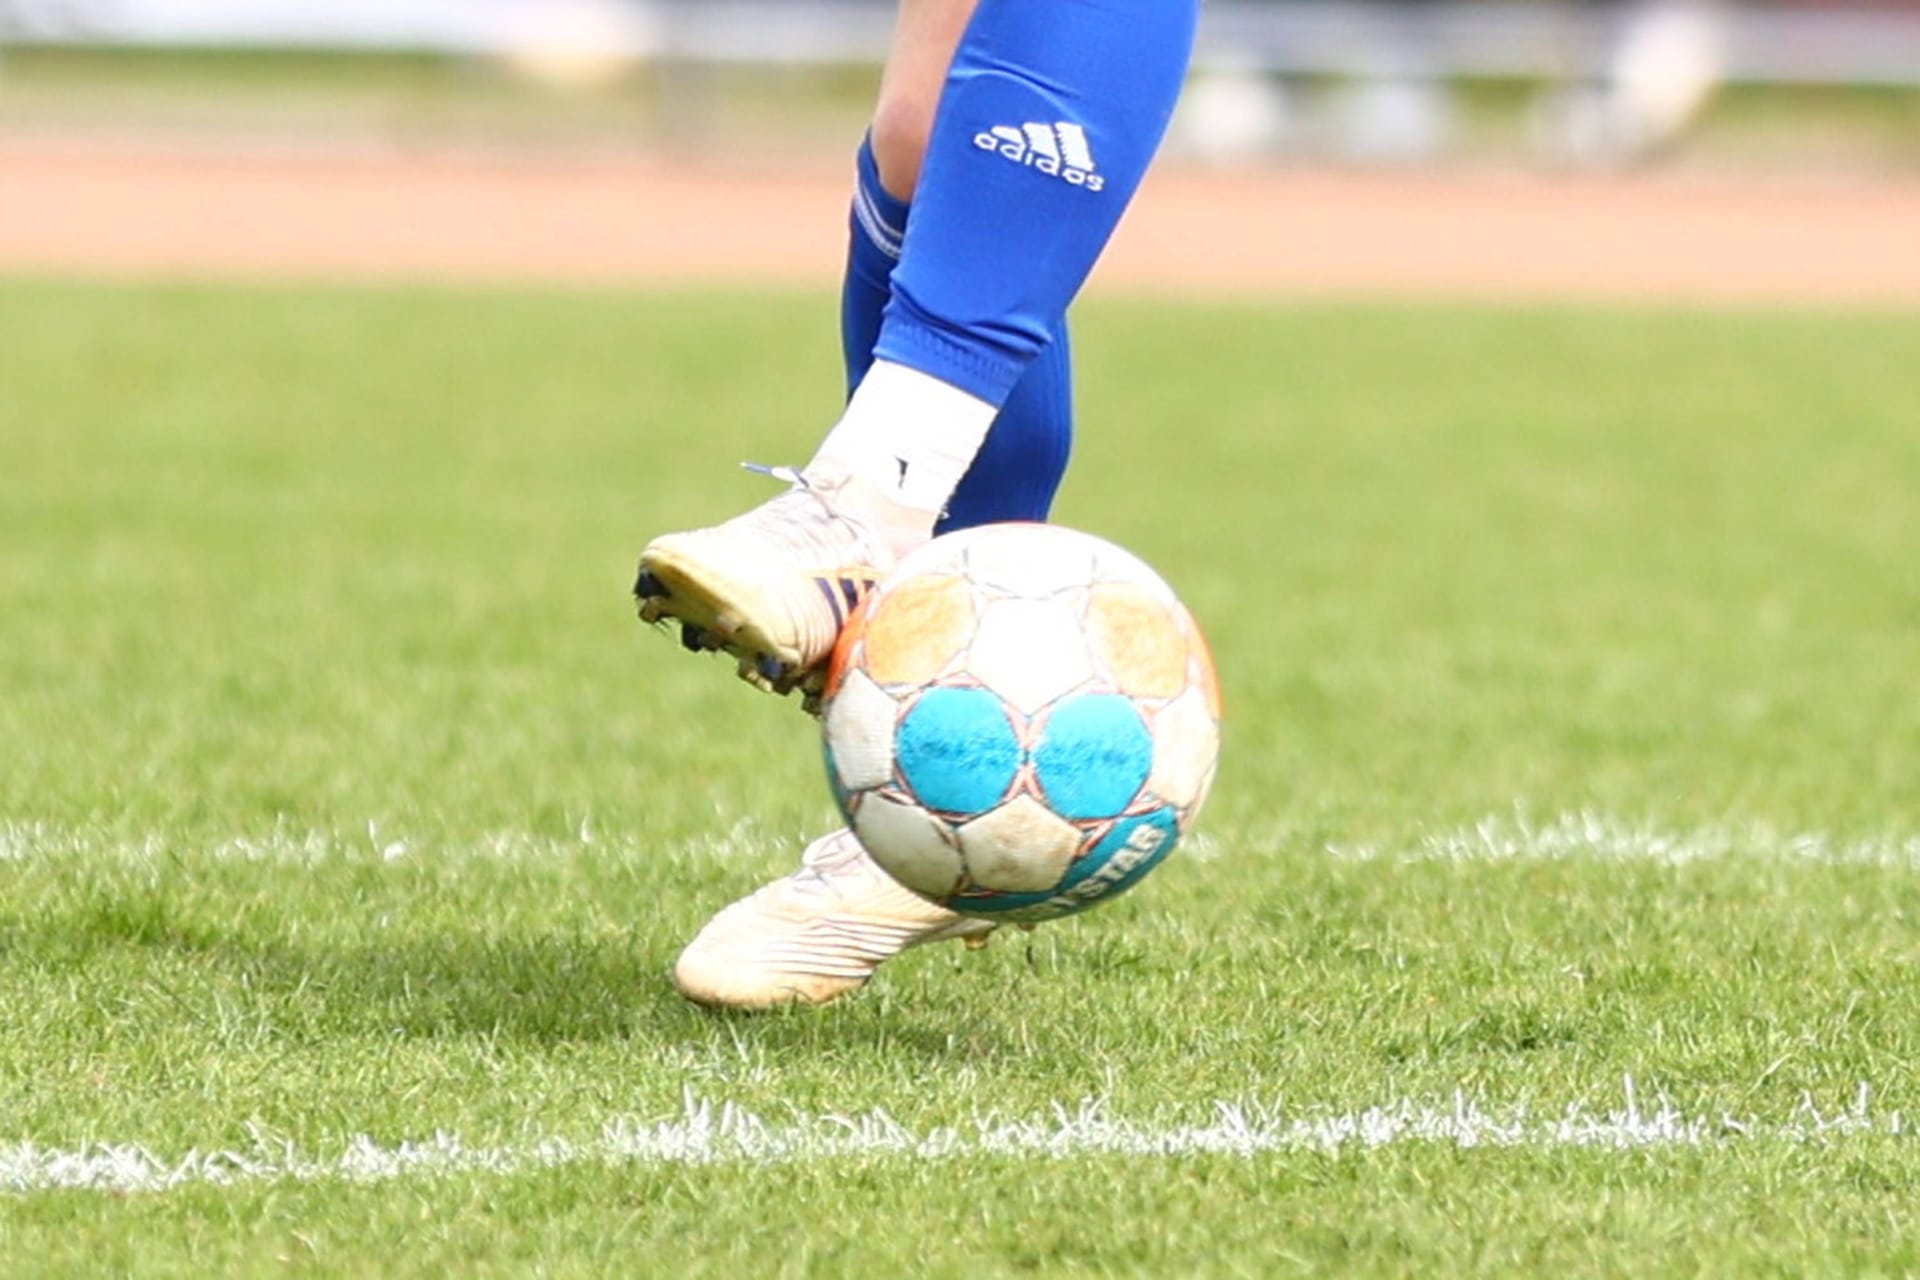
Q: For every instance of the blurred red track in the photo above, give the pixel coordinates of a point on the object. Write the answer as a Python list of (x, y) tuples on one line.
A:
[(149, 211)]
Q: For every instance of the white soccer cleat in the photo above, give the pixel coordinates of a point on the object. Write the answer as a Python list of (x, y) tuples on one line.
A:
[(814, 935), (772, 587)]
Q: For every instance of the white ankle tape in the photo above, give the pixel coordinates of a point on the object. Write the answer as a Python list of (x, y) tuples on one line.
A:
[(908, 435)]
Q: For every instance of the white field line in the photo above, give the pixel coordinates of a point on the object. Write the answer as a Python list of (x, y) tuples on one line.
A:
[(1508, 837), (1496, 838), (709, 1134), (730, 841)]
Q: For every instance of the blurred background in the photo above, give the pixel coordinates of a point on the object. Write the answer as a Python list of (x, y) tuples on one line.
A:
[(1550, 144), (1367, 81)]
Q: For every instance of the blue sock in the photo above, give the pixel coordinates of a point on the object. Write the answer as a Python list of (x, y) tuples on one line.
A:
[(1018, 469), (1049, 117)]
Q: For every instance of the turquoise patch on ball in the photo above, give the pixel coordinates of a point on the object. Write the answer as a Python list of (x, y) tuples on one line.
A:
[(1134, 847), (1093, 756), (958, 750)]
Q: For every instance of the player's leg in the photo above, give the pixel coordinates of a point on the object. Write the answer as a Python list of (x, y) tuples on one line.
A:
[(1045, 124), (1046, 121), (1018, 469)]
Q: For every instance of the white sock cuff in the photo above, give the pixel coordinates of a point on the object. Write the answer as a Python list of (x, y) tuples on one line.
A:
[(909, 434)]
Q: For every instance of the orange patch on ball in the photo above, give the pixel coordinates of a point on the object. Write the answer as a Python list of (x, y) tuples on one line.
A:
[(846, 649), (915, 629), (1204, 672), (1136, 641)]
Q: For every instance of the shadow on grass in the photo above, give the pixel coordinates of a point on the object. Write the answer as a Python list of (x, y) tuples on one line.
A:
[(587, 985)]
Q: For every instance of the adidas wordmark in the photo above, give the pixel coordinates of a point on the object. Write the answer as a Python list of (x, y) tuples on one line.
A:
[(1059, 150)]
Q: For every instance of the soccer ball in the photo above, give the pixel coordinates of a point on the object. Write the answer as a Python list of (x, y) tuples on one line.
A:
[(1020, 721)]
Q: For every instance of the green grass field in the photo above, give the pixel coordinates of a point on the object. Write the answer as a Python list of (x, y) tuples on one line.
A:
[(1558, 908)]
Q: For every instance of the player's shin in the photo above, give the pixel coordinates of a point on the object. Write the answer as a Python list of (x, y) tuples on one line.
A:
[(1047, 122), (1018, 469)]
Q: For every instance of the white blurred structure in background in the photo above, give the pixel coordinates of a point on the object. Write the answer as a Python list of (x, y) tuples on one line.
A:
[(1667, 58)]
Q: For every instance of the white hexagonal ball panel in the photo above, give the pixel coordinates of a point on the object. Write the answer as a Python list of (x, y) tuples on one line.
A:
[(910, 844), (1030, 652), (1021, 847), (860, 727), (1032, 561), (945, 554), (1116, 564), (1186, 742)]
